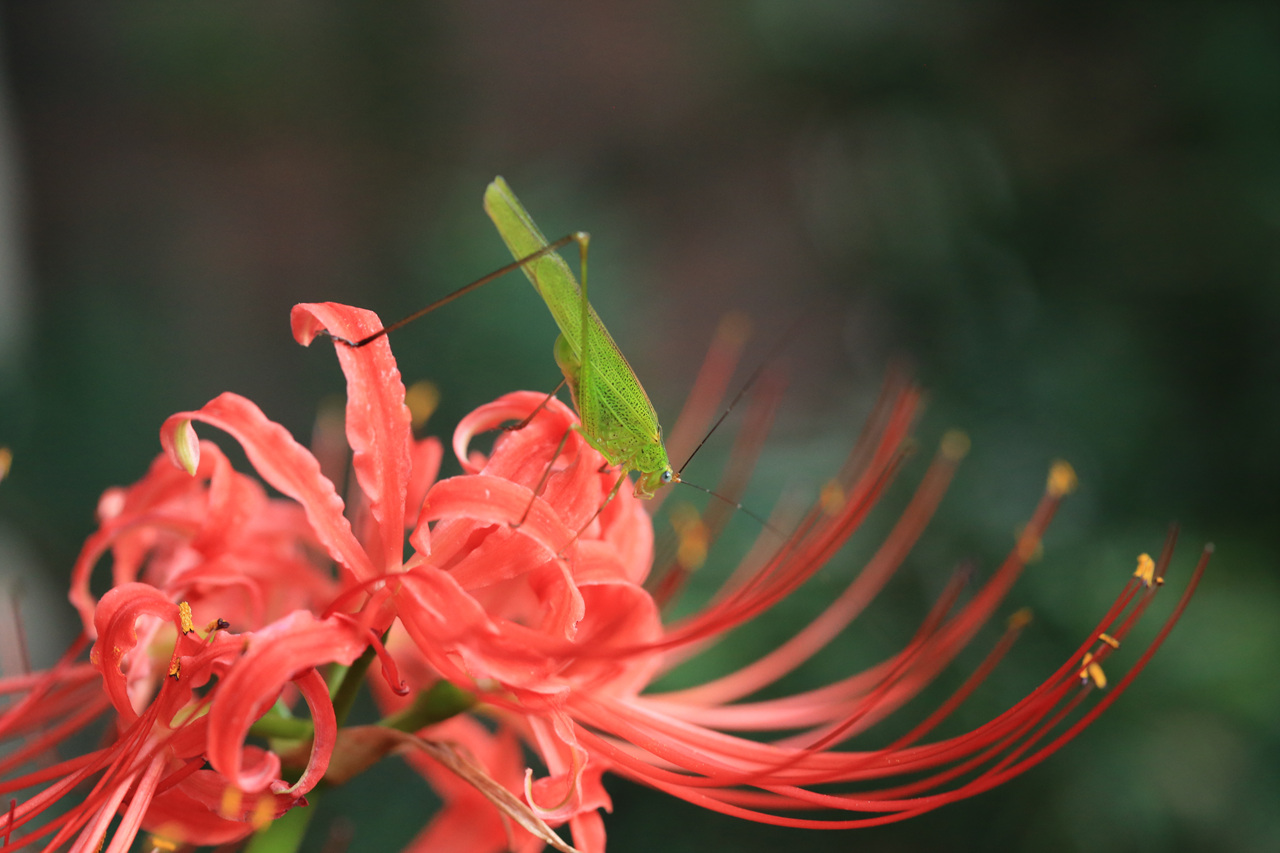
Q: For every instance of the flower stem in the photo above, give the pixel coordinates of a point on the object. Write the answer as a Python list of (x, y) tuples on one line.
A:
[(348, 684), (277, 727), (442, 701)]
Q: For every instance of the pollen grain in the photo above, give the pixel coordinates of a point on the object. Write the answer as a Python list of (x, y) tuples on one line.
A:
[(1092, 671), (832, 497), (1146, 570), (1062, 479)]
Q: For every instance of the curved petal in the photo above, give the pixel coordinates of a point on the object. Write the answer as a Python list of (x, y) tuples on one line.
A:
[(427, 455), (325, 724), (378, 421), (627, 528), (486, 500), (619, 616), (232, 500), (194, 811), (285, 651), (282, 462), (559, 795), (115, 621), (515, 406), (442, 618)]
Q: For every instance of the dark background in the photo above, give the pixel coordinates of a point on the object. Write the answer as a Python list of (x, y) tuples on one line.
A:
[(1064, 216)]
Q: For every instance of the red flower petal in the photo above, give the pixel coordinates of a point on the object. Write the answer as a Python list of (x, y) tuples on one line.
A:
[(285, 651), (427, 455), (115, 620), (482, 500), (286, 465), (378, 421), (192, 811)]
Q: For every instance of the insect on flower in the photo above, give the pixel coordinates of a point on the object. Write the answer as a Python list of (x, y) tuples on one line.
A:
[(523, 595), (559, 651), (616, 416), (573, 687)]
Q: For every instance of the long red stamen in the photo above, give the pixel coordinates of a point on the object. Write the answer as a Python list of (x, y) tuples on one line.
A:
[(742, 460), (855, 598)]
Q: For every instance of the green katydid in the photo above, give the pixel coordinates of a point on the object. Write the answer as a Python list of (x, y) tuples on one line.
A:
[(616, 417)]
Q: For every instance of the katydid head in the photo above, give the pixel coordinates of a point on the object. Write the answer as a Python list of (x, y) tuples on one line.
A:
[(648, 483)]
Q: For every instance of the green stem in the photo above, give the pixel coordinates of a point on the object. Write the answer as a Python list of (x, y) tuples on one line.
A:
[(344, 696), (439, 703), (277, 727)]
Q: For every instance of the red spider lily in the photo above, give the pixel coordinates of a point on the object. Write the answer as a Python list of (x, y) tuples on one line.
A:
[(486, 607), (246, 565), (549, 625), (214, 540), (211, 539), (520, 589), (169, 720)]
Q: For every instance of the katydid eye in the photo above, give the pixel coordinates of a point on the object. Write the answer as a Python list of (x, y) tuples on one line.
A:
[(666, 476)]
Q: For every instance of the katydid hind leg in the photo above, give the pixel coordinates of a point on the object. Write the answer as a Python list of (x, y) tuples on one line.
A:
[(524, 422), (542, 481), (613, 493)]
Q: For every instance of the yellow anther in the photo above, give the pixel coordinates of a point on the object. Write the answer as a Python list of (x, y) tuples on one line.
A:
[(832, 498), (1109, 640), (215, 626), (1092, 671), (1020, 619), (691, 552), (6, 461), (184, 615), (1146, 570), (422, 398), (955, 444), (161, 843), (1062, 479), (175, 668), (232, 798), (263, 812)]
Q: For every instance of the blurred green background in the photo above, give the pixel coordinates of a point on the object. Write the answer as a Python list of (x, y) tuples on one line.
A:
[(1064, 217)]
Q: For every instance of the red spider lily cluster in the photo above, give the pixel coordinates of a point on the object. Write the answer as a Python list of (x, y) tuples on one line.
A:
[(523, 604)]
